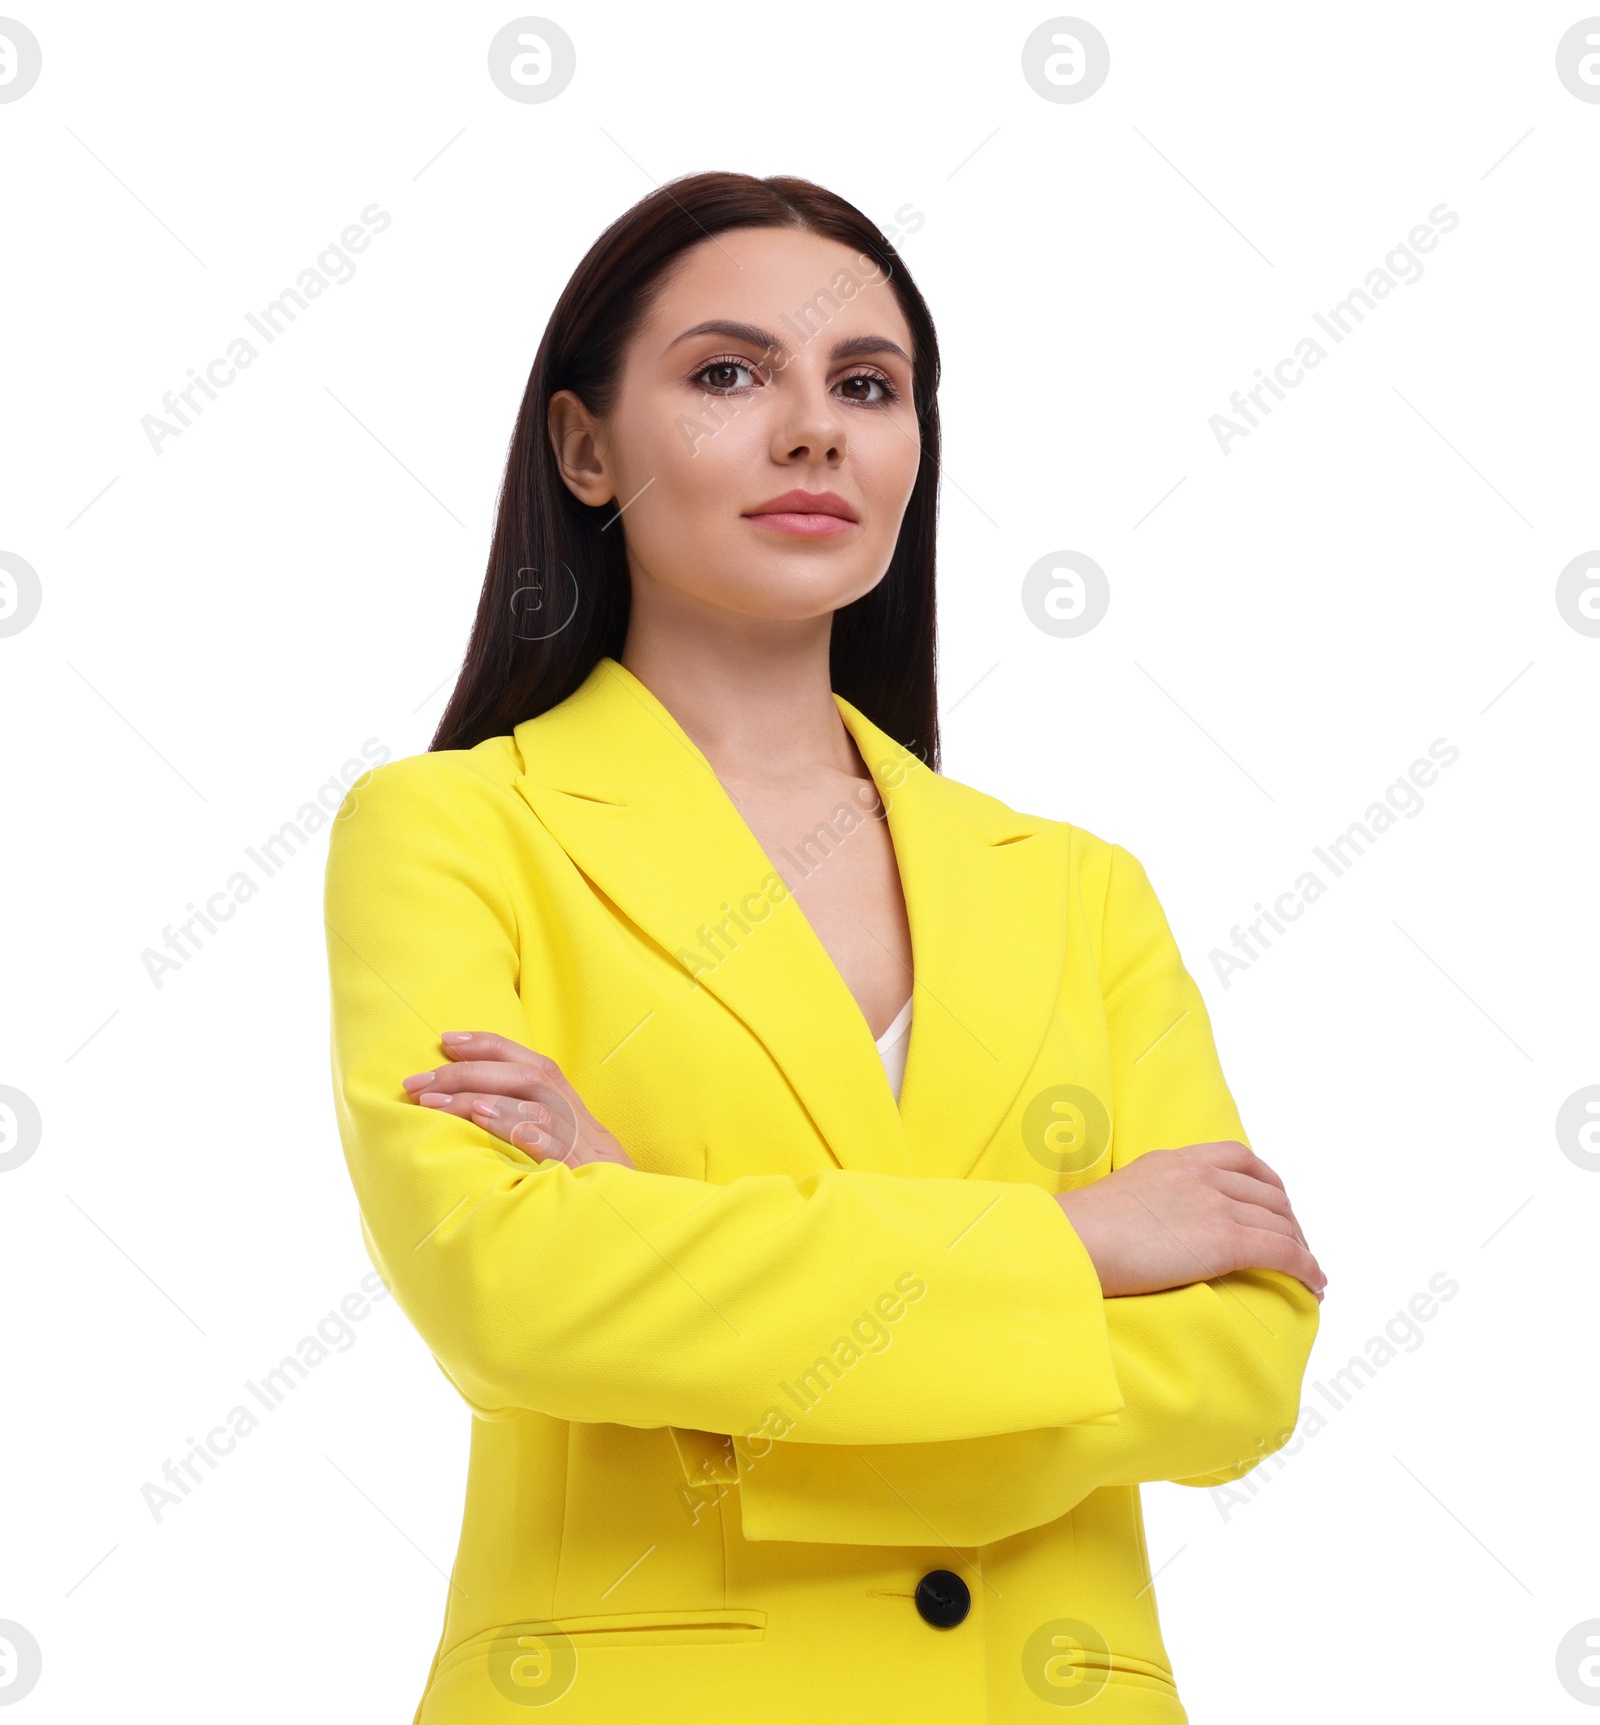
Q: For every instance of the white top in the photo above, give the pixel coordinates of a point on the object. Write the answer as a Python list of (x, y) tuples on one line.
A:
[(892, 1047)]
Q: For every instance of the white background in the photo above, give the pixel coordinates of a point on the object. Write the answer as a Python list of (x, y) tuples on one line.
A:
[(1374, 567)]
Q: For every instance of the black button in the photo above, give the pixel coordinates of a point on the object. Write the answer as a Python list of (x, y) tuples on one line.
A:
[(942, 1598)]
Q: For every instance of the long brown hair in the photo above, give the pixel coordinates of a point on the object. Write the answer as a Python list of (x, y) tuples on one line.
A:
[(556, 595)]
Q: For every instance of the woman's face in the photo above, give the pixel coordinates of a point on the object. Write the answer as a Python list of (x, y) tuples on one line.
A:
[(773, 361)]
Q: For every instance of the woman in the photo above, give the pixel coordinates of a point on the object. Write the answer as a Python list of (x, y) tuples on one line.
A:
[(799, 1394)]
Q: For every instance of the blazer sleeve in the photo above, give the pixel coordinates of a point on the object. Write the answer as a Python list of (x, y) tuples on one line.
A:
[(1210, 1373), (623, 1295)]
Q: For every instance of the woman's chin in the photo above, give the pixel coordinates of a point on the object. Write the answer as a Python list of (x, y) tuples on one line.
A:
[(784, 591)]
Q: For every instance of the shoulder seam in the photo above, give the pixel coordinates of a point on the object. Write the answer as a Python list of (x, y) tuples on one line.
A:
[(460, 766)]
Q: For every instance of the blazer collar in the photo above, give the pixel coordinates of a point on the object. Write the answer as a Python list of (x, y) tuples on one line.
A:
[(617, 782)]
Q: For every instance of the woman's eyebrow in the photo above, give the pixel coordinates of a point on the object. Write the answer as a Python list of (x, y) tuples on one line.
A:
[(850, 347)]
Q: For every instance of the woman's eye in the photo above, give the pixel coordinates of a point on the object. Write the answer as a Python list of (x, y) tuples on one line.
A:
[(887, 391), (718, 371), (721, 377)]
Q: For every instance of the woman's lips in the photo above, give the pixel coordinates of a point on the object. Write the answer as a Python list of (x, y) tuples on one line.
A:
[(803, 526)]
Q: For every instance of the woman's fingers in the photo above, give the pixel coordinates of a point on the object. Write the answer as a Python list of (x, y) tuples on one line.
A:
[(1238, 1171), (545, 1131), (1171, 1217), (531, 1127), (547, 1121), (485, 1045), (508, 1110), (502, 1077), (481, 1060), (1249, 1214), (1229, 1153), (1270, 1250), (518, 1095), (462, 1045), (1273, 1199)]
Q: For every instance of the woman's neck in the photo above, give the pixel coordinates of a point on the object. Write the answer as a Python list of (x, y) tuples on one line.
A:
[(758, 707)]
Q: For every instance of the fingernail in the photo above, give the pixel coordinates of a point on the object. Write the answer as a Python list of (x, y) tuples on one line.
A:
[(486, 1107), (456, 1036), (434, 1098), (416, 1079)]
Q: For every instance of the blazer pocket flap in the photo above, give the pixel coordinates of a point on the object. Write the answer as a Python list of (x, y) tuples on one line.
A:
[(706, 1458), (547, 1646)]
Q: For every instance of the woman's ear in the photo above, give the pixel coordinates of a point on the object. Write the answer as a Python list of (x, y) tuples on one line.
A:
[(576, 439)]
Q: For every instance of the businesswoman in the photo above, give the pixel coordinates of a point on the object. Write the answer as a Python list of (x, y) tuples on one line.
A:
[(816, 1176)]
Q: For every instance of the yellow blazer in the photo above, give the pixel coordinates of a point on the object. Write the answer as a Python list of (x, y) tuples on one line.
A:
[(819, 1412)]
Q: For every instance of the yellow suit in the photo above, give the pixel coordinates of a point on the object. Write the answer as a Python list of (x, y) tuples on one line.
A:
[(819, 1412)]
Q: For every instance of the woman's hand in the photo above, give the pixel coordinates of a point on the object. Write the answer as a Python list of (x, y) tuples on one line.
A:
[(517, 1095), (1172, 1217)]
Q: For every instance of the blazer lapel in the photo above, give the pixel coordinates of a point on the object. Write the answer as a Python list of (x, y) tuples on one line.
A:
[(635, 804), (986, 895)]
